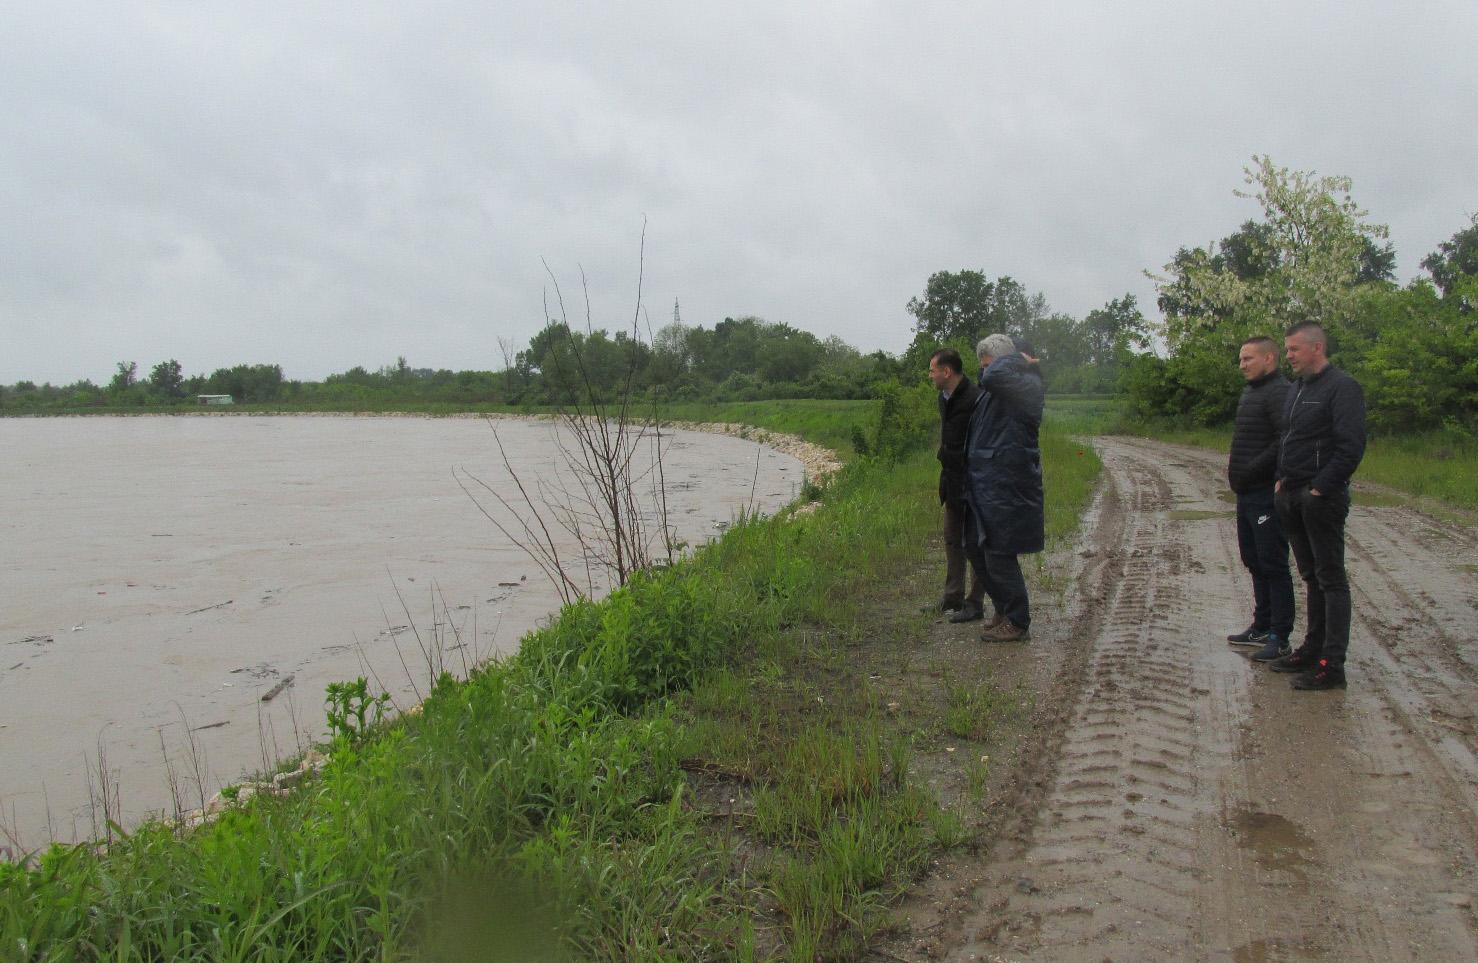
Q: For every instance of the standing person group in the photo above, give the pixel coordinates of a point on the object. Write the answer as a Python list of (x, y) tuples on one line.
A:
[(1294, 450), (998, 468)]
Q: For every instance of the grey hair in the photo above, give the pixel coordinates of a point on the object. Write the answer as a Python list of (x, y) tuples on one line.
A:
[(995, 345)]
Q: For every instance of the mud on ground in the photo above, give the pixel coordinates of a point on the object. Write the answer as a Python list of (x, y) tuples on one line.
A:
[(1161, 797)]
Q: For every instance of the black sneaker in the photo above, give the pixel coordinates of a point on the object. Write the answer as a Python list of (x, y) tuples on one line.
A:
[(1321, 676), (1252, 635), (1274, 648), (1299, 660), (968, 612)]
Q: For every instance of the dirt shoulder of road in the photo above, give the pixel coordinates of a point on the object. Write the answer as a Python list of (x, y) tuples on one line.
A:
[(1156, 795)]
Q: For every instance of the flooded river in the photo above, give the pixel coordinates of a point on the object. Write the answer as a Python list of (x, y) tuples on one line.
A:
[(159, 576)]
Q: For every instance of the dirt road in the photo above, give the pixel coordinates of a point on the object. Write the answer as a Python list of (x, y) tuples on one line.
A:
[(1179, 802)]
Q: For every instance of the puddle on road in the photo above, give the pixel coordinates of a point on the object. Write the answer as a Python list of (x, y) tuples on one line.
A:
[(1276, 842)]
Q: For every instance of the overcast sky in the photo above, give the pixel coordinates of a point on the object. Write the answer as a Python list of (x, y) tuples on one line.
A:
[(329, 185)]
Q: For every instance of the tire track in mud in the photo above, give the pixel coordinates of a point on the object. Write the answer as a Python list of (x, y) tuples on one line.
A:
[(1113, 865), (1192, 806), (1427, 646)]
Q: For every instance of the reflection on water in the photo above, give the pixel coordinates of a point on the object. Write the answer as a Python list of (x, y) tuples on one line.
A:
[(161, 575)]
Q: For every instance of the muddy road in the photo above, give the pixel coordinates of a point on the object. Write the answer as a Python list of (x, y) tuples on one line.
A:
[(1175, 801)]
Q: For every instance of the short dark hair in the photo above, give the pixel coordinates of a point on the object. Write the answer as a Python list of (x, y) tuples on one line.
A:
[(1264, 342), (1312, 330), (949, 358)]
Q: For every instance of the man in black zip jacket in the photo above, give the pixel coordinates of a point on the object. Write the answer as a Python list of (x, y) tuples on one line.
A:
[(1250, 471), (1323, 442), (957, 397)]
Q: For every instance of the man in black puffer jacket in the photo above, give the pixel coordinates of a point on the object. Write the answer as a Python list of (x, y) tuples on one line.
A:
[(1254, 457), (957, 397), (1323, 442)]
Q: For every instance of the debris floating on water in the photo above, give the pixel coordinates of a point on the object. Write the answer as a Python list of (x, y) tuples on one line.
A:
[(209, 607), (273, 692)]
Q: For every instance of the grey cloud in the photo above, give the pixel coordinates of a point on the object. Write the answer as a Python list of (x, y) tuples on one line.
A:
[(324, 185)]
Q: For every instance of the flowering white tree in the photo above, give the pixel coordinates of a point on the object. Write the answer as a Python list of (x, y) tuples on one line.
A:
[(1310, 245)]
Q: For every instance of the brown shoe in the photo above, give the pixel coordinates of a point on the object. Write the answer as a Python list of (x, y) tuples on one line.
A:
[(995, 620), (1006, 631)]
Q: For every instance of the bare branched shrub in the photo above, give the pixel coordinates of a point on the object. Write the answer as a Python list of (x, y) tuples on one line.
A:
[(609, 500)]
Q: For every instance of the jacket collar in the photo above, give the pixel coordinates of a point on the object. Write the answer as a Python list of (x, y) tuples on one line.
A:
[(1310, 379)]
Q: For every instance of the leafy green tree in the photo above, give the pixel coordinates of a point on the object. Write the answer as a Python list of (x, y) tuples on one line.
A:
[(1012, 310), (1300, 264), (124, 378), (1377, 263), (959, 308), (167, 380), (1113, 330), (787, 355), (247, 382), (1421, 367), (1304, 261), (956, 306), (1454, 259)]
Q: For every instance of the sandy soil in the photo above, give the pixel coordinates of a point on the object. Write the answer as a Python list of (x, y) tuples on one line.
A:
[(162, 575), (1172, 800)]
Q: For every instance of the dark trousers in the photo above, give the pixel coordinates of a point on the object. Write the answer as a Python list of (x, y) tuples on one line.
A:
[(1004, 582), (1315, 526), (1265, 554), (955, 558)]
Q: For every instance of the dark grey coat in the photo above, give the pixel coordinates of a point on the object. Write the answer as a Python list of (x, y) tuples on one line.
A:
[(1323, 431), (954, 426), (1003, 463)]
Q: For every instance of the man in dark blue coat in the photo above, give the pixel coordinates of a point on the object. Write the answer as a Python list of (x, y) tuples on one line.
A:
[(1003, 482)]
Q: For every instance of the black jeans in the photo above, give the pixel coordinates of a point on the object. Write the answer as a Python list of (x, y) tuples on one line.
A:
[(1265, 553), (1004, 582), (1315, 526)]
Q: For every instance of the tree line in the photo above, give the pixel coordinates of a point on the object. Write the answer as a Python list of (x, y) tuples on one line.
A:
[(738, 359), (1312, 255)]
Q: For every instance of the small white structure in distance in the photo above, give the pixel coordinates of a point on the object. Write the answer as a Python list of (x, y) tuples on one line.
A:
[(214, 400)]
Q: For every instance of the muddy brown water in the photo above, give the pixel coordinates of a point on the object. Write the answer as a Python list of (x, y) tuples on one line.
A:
[(1175, 801), (159, 576)]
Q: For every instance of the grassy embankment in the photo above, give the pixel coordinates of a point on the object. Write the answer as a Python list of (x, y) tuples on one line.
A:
[(701, 766), (1434, 464)]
